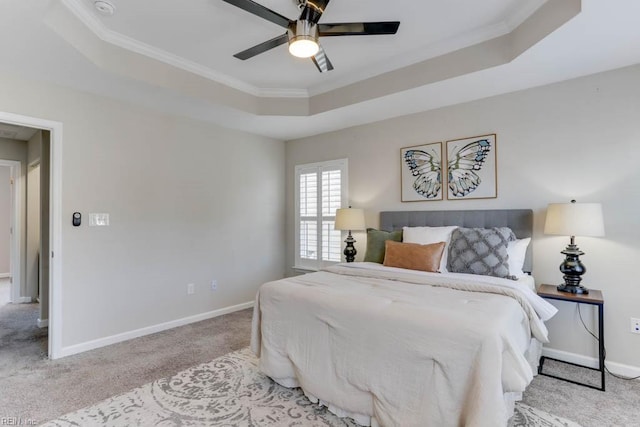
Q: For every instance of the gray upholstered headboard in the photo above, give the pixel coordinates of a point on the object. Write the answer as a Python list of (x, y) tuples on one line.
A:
[(519, 220)]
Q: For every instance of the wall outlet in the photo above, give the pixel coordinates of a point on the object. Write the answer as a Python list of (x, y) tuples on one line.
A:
[(214, 285), (191, 289), (635, 325)]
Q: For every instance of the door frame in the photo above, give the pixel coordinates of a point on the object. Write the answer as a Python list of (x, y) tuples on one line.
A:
[(55, 223), (15, 244)]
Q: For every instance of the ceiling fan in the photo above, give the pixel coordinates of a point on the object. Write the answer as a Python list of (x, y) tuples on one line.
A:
[(302, 34)]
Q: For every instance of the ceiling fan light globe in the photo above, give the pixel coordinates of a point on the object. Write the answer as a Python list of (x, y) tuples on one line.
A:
[(303, 47)]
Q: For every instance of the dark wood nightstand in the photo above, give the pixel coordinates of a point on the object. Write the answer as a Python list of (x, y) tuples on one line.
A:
[(594, 297)]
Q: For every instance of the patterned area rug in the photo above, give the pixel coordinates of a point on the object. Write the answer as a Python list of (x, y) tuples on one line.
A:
[(230, 391)]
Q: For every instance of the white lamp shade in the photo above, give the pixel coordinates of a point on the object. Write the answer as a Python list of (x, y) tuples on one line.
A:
[(349, 219), (574, 219)]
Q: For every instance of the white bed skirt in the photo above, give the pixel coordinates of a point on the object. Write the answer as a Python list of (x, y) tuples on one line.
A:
[(532, 354)]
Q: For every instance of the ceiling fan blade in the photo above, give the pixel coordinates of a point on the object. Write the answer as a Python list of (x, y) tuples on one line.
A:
[(322, 61), (358, 28), (262, 47), (261, 11), (313, 10)]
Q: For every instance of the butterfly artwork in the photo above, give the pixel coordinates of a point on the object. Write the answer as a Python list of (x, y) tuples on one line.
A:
[(471, 170), (422, 172)]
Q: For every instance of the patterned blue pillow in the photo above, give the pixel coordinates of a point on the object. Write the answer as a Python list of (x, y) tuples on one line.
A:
[(480, 251)]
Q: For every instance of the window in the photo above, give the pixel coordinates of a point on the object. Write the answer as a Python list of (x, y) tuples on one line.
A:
[(321, 188)]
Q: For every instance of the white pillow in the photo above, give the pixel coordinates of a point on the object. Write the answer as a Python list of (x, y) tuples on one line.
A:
[(428, 235), (517, 250)]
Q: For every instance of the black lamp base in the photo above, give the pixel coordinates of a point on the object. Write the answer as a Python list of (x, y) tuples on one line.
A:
[(573, 269), (572, 289), (350, 250)]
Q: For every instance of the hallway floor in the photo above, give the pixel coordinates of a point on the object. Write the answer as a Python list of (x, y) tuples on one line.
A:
[(5, 291), (22, 342)]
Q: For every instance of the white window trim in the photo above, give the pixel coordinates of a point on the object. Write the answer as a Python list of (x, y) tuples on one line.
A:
[(343, 164)]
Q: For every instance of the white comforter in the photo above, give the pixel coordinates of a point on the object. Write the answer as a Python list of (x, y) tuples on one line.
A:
[(404, 348)]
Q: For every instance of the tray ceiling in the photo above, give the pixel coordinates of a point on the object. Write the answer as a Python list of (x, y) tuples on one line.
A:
[(206, 34), (177, 57)]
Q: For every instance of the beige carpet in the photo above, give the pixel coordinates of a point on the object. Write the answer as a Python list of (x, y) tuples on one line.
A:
[(231, 391), (32, 387)]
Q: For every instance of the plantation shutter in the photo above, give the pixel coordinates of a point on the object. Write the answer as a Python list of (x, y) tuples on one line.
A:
[(320, 190)]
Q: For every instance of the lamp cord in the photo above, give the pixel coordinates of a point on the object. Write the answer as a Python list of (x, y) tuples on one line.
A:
[(605, 350)]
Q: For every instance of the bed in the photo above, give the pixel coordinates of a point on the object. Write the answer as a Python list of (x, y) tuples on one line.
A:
[(395, 347)]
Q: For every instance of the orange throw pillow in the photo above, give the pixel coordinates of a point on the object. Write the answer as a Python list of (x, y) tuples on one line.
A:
[(413, 256)]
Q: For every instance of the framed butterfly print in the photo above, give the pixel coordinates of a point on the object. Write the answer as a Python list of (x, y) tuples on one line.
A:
[(421, 167), (471, 168)]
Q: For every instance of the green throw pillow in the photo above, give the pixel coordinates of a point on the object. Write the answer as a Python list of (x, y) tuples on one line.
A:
[(375, 243)]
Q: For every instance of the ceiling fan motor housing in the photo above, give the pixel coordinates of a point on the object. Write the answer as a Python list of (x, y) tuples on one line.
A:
[(303, 30)]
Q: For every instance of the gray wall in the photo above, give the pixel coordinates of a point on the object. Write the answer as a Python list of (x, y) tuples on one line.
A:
[(188, 202), (11, 149), (577, 139), (5, 220)]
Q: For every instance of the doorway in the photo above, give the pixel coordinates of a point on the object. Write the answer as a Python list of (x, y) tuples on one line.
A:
[(10, 235), (46, 287), (23, 215)]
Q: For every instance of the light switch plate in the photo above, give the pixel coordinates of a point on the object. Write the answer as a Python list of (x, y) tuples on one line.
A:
[(98, 219)]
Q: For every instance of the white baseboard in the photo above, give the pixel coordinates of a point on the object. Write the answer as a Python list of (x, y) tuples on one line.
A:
[(113, 339), (23, 300), (4, 275), (43, 323), (592, 362)]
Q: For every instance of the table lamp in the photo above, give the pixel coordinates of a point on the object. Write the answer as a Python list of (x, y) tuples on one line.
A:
[(349, 219), (574, 219)]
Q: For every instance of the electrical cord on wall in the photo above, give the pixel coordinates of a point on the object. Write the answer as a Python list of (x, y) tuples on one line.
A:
[(605, 350)]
